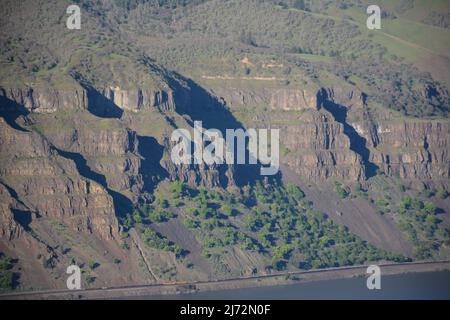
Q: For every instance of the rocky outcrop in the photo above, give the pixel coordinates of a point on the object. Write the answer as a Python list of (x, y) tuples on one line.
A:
[(338, 136), (92, 142), (85, 170), (52, 186), (198, 174), (275, 98), (410, 149), (49, 100), (405, 148), (319, 149), (111, 152), (9, 228), (292, 99), (44, 99), (351, 98), (74, 174), (137, 99)]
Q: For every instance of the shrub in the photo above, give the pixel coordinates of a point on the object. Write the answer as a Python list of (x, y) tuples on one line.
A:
[(90, 279), (227, 210), (179, 189), (5, 262), (6, 280), (295, 192), (430, 208), (137, 218), (92, 264), (340, 190), (442, 194)]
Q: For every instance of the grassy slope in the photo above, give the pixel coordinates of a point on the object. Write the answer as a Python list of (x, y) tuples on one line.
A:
[(407, 36)]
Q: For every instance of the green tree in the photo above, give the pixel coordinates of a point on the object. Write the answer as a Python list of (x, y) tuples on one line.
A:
[(340, 190), (6, 280), (92, 264), (5, 262), (137, 217), (442, 194), (295, 191), (430, 208), (227, 210)]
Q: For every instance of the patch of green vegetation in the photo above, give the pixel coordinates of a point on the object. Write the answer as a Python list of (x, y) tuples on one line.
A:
[(275, 221), (151, 214), (427, 193), (296, 41), (93, 264), (6, 275), (289, 222), (156, 241), (360, 192), (341, 191), (442, 194), (383, 206), (420, 222)]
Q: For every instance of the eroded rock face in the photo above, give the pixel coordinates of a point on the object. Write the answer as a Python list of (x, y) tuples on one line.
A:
[(319, 149), (69, 174), (45, 100), (337, 136), (9, 228), (49, 100), (52, 186), (204, 175), (351, 98), (77, 171), (138, 99), (111, 152), (276, 99), (80, 172), (292, 99), (412, 149)]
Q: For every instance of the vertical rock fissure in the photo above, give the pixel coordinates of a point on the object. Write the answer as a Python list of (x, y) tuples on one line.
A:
[(357, 142)]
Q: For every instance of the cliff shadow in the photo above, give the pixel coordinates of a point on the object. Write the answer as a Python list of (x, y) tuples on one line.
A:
[(358, 144), (201, 105), (151, 170), (101, 106), (122, 205), (22, 216), (11, 111)]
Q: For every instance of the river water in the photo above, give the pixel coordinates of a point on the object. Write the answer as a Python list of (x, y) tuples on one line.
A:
[(432, 285)]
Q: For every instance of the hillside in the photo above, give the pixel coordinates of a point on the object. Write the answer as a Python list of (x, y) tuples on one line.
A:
[(86, 175)]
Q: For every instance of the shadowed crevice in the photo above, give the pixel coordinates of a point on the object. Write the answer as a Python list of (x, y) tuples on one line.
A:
[(200, 105), (122, 205), (358, 144), (23, 218), (151, 170), (101, 106), (21, 213), (11, 111)]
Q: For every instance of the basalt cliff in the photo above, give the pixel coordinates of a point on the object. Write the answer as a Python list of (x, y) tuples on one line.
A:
[(86, 123)]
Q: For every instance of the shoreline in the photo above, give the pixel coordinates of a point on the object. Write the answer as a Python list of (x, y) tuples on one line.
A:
[(281, 279)]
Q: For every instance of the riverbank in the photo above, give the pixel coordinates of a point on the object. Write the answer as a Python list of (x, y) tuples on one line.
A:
[(407, 286), (231, 284)]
